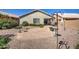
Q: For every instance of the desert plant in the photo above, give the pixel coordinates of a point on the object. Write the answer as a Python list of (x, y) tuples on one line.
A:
[(25, 23), (13, 23), (4, 41), (4, 23), (51, 28), (18, 27), (77, 46), (0, 25), (32, 24), (41, 25)]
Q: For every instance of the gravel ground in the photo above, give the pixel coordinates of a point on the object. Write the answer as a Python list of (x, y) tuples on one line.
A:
[(69, 35), (36, 38), (41, 38)]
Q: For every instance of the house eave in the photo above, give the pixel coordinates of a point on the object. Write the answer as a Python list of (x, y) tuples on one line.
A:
[(34, 12)]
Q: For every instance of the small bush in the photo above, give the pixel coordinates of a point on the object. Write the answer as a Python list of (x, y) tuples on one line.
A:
[(0, 27), (25, 23), (77, 46), (51, 29), (1, 23), (12, 23), (41, 25), (3, 41), (55, 23), (18, 27), (33, 25), (4, 23)]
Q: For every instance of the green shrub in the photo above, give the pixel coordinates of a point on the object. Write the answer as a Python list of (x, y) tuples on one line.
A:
[(13, 23), (1, 23), (18, 27), (25, 23), (3, 41), (41, 25), (77, 46), (0, 26), (32, 24), (51, 29), (4, 23)]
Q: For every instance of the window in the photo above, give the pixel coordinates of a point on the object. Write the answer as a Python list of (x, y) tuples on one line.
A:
[(36, 20)]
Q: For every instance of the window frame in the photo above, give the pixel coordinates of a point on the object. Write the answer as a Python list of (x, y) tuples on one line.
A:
[(36, 20)]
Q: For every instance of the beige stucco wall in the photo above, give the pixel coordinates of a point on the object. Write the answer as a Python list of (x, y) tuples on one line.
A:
[(72, 24), (29, 18)]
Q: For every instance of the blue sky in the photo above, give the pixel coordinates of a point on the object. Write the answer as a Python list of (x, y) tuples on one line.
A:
[(20, 12)]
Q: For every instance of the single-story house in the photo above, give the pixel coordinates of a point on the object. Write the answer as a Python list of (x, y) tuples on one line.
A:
[(71, 20), (36, 17), (33, 17)]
